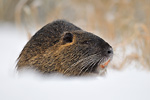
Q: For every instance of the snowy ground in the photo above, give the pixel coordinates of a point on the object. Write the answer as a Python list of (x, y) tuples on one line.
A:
[(130, 84)]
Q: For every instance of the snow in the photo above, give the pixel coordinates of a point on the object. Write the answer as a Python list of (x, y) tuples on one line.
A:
[(129, 84)]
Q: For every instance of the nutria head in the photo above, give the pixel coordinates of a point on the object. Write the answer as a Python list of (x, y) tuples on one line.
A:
[(76, 53)]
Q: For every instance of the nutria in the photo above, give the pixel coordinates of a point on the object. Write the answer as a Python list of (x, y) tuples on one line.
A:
[(61, 47)]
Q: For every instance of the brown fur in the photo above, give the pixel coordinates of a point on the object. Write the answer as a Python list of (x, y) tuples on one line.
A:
[(64, 48)]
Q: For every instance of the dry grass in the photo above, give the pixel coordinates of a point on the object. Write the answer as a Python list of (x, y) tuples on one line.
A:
[(7, 10), (125, 24)]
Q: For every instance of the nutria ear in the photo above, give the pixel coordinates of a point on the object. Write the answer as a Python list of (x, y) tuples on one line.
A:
[(68, 38)]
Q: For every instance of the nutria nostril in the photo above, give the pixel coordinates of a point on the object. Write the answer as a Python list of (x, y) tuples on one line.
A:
[(110, 51)]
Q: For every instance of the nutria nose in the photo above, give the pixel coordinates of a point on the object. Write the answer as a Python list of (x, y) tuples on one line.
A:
[(110, 51)]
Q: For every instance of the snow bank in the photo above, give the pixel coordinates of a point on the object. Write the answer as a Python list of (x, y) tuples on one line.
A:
[(130, 84)]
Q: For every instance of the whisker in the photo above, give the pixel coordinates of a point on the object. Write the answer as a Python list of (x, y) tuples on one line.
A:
[(85, 64), (84, 61), (85, 67), (94, 65)]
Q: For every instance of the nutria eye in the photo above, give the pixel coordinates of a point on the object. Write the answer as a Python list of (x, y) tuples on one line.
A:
[(68, 38)]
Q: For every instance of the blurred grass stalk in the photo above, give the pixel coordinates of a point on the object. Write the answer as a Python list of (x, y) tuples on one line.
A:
[(123, 23)]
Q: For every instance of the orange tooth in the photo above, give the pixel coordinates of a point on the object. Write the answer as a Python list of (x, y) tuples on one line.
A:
[(103, 66)]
